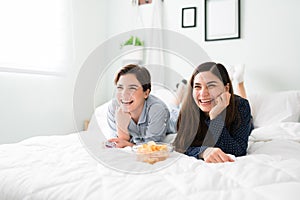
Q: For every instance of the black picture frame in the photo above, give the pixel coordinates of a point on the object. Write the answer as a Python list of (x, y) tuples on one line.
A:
[(222, 20), (189, 17)]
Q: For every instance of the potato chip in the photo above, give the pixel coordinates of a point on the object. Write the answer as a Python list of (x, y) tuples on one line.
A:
[(152, 152)]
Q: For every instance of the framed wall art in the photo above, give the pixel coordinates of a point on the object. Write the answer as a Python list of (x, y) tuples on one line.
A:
[(222, 19), (189, 17)]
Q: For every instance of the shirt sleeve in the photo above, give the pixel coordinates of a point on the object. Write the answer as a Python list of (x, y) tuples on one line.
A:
[(111, 119), (158, 118), (195, 151), (236, 142)]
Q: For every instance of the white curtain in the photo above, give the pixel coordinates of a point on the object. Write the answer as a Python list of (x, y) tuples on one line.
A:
[(36, 36), (150, 16)]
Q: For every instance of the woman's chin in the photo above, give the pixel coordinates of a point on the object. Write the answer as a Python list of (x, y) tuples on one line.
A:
[(205, 109), (125, 108)]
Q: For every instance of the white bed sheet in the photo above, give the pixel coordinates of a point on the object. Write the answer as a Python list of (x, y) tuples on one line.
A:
[(59, 167)]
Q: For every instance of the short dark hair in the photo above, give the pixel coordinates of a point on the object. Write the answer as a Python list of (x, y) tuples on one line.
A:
[(141, 73)]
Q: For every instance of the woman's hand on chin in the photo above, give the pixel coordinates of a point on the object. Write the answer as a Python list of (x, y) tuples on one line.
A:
[(221, 102), (122, 119)]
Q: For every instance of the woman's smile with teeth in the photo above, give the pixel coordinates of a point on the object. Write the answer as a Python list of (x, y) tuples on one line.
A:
[(205, 100), (126, 102)]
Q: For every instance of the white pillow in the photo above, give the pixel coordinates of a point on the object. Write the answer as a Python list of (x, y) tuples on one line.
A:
[(99, 122), (167, 96), (273, 108)]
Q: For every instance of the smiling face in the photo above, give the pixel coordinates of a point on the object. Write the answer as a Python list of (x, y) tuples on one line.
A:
[(130, 94), (206, 88)]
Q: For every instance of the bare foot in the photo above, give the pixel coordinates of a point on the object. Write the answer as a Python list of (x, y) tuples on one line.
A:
[(180, 92)]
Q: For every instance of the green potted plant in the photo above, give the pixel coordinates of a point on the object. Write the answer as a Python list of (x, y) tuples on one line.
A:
[(133, 50), (133, 41)]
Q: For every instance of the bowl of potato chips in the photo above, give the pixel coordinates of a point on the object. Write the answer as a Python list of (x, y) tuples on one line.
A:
[(152, 152)]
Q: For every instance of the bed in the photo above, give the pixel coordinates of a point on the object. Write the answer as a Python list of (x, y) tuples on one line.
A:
[(77, 166)]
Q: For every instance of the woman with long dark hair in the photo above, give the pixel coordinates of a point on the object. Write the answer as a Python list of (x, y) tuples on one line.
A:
[(213, 122)]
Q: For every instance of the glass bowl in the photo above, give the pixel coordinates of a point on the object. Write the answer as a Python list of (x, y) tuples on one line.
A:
[(152, 152)]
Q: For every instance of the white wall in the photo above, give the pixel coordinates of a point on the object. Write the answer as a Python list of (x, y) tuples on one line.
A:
[(32, 105), (269, 45)]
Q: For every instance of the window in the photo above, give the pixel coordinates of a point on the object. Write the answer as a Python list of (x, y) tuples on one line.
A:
[(36, 36)]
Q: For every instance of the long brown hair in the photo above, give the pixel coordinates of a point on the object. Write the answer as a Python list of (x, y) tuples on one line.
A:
[(191, 127)]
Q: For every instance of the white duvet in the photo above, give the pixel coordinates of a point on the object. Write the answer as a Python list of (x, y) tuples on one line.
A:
[(59, 167)]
